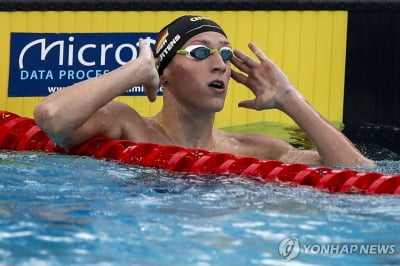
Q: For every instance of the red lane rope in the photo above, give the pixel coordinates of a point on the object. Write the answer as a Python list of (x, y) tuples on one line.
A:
[(22, 134)]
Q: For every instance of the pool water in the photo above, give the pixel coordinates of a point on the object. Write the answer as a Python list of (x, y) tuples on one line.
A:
[(69, 210)]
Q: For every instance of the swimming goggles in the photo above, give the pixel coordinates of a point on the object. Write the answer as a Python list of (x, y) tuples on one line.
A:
[(201, 52)]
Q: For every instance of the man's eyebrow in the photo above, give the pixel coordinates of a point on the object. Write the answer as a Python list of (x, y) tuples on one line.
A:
[(207, 42)]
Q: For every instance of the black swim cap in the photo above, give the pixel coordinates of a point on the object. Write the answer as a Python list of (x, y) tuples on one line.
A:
[(173, 36)]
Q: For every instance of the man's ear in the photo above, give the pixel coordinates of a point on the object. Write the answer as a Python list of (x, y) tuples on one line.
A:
[(163, 80)]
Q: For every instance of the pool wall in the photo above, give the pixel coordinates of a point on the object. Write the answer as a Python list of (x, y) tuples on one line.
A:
[(344, 56)]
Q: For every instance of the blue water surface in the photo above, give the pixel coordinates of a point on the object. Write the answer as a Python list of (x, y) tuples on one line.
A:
[(69, 210)]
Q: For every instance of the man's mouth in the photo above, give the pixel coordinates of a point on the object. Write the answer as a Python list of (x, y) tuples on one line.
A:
[(219, 85)]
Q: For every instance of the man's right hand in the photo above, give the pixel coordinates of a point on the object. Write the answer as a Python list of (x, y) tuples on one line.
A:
[(151, 82)]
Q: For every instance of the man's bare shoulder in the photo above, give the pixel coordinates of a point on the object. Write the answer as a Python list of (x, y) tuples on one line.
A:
[(133, 126), (251, 144), (120, 108), (128, 121)]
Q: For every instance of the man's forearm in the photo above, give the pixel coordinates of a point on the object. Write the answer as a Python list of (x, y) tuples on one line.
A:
[(333, 147)]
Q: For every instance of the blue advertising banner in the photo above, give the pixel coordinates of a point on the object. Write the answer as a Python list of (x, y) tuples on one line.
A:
[(42, 63)]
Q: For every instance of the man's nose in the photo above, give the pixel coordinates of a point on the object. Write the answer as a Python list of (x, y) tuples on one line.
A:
[(218, 63)]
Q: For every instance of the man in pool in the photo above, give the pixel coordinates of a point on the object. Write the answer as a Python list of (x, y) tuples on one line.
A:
[(193, 66)]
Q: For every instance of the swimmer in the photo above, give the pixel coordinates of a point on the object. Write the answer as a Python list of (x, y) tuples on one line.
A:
[(193, 65)]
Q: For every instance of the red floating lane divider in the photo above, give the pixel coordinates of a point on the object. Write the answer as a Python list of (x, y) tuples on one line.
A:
[(359, 182), (285, 172), (310, 176), (22, 134), (235, 165), (385, 185), (334, 180), (181, 161)]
